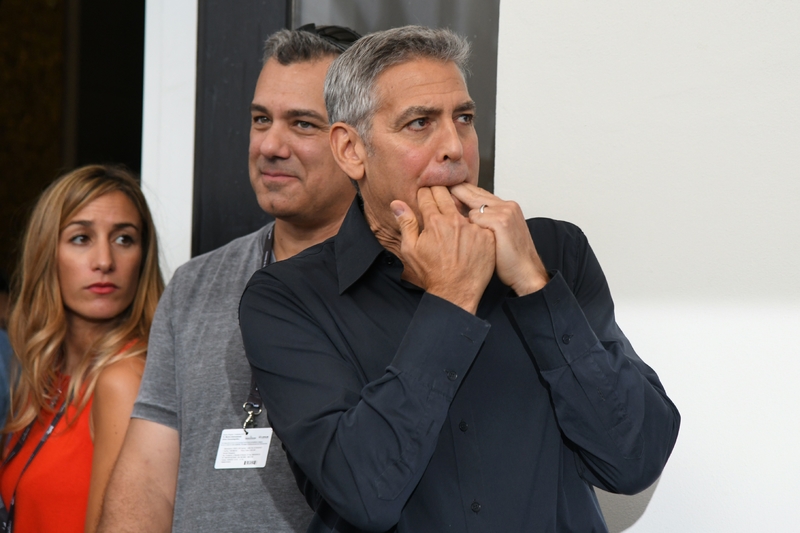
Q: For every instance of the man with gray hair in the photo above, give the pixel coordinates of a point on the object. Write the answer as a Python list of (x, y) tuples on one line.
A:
[(187, 464), (442, 364)]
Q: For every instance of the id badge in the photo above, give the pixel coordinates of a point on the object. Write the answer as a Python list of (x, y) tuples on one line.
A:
[(240, 450)]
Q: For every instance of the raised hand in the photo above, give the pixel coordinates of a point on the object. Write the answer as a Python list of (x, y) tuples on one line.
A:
[(518, 262), (450, 257)]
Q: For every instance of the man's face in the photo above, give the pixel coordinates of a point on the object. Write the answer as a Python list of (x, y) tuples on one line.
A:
[(292, 170), (422, 135)]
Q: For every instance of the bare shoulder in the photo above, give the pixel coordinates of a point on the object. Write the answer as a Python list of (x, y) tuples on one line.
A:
[(120, 379)]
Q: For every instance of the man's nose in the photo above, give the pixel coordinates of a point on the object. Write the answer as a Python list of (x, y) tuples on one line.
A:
[(450, 146), (273, 143)]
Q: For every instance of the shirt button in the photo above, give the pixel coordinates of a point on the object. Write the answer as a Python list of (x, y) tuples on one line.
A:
[(390, 260), (476, 507), (463, 426), (565, 338), (451, 375)]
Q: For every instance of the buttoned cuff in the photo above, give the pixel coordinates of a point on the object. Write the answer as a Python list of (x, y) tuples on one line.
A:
[(440, 345), (553, 324)]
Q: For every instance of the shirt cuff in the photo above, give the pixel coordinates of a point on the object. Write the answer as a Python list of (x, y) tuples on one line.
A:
[(553, 324), (440, 344)]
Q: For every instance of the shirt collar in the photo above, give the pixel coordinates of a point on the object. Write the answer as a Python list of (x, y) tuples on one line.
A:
[(356, 247)]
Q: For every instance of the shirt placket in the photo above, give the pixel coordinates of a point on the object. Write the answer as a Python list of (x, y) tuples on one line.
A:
[(470, 467)]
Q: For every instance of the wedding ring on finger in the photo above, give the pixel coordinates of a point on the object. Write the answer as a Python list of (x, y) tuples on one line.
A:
[(484, 206)]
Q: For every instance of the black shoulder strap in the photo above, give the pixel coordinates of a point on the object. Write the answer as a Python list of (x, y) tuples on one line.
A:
[(269, 241)]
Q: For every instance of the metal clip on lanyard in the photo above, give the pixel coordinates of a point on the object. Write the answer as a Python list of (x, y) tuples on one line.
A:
[(253, 404)]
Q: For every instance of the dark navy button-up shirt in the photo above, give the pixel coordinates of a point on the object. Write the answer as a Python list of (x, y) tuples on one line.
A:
[(404, 412)]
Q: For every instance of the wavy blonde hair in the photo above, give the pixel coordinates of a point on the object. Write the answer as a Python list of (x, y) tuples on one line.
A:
[(37, 324)]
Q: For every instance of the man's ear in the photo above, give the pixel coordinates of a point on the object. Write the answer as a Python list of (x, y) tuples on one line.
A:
[(348, 150)]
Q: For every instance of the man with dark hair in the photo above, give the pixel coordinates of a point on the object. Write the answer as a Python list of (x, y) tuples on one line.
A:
[(187, 464), (442, 364)]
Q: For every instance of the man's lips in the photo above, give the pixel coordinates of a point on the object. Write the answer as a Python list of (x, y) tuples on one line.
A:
[(276, 175), (102, 288)]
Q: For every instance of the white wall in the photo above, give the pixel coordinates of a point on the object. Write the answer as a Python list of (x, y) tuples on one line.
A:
[(670, 132), (170, 64)]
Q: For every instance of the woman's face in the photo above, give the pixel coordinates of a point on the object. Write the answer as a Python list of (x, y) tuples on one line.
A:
[(99, 258)]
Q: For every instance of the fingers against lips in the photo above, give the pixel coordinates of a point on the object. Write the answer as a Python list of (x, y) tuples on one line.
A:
[(472, 196), (444, 201)]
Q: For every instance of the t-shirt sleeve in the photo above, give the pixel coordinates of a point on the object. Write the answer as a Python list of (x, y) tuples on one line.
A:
[(158, 398)]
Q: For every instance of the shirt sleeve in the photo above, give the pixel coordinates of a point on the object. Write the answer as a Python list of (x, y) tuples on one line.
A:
[(158, 400), (364, 446), (607, 401)]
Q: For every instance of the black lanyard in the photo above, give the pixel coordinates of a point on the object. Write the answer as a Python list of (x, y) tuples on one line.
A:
[(9, 521), (253, 405), (269, 241)]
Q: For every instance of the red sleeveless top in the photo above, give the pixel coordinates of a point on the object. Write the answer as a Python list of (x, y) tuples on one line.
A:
[(53, 492)]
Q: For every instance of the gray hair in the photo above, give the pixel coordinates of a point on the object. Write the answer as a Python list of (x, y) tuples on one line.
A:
[(350, 83), (297, 46)]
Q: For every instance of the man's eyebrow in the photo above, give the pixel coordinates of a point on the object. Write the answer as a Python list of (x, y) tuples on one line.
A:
[(425, 111), (469, 105), (415, 111), (292, 113), (309, 113)]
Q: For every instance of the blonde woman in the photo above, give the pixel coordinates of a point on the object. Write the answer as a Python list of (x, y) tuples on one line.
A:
[(84, 296)]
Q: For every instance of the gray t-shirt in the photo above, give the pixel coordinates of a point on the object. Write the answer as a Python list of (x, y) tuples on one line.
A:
[(196, 379)]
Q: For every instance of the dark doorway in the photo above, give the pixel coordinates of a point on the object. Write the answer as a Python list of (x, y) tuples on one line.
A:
[(110, 77), (71, 76)]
